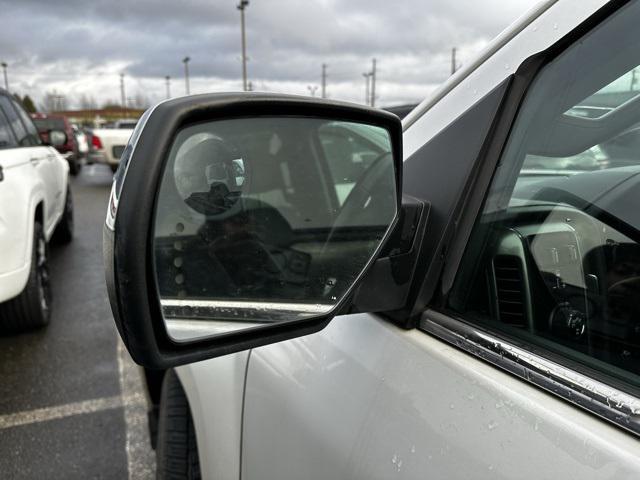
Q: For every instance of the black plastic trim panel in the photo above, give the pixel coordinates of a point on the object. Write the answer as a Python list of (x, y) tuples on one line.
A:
[(128, 236)]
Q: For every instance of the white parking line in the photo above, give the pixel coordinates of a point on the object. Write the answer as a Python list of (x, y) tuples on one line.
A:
[(60, 411), (93, 170), (140, 457)]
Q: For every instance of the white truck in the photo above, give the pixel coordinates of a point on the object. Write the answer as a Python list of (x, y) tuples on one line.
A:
[(515, 353), (107, 144), (35, 207)]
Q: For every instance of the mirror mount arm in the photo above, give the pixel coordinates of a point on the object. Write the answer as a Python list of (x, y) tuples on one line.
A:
[(387, 285)]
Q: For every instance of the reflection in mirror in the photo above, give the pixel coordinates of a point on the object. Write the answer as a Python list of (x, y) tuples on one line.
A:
[(57, 138), (268, 220)]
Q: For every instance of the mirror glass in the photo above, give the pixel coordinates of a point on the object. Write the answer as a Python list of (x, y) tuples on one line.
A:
[(57, 138), (263, 220)]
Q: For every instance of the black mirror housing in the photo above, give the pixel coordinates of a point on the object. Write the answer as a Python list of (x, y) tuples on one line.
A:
[(128, 231)]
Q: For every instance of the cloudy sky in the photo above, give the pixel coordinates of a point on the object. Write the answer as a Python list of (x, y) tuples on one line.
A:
[(79, 47)]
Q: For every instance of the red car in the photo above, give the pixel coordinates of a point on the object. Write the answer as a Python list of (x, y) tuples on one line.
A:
[(45, 123)]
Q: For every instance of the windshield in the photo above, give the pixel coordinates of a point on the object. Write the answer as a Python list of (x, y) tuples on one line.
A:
[(46, 124)]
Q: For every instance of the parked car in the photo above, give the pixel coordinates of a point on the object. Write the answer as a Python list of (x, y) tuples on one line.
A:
[(456, 316), (107, 144), (125, 124), (82, 142), (35, 207), (69, 150)]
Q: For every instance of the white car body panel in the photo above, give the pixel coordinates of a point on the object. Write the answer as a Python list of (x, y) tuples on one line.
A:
[(365, 399), (32, 175), (83, 145), (209, 384), (110, 137)]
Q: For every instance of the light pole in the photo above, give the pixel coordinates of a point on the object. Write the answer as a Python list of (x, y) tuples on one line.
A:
[(454, 65), (373, 83), (324, 80), (186, 60), (122, 96), (312, 89), (242, 6), (367, 76), (6, 79), (167, 79)]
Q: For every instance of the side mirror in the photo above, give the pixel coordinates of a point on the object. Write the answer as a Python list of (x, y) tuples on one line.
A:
[(239, 220), (56, 138)]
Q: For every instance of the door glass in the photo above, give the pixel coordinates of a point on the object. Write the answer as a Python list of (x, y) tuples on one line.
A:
[(7, 139), (14, 121), (32, 132), (554, 258)]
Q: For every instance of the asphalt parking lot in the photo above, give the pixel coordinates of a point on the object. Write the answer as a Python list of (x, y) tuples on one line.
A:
[(71, 403)]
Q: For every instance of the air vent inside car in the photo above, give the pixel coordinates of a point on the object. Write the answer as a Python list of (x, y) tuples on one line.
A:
[(510, 290)]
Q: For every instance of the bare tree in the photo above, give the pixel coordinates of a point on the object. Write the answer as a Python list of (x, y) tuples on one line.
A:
[(141, 101), (88, 102), (111, 104), (54, 101)]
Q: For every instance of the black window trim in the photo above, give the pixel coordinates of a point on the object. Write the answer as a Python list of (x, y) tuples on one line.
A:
[(591, 390)]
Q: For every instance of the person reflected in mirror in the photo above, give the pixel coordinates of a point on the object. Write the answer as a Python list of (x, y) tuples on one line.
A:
[(244, 236), (222, 169)]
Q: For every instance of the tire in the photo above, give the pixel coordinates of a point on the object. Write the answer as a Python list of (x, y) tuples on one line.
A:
[(64, 230), (32, 307), (74, 166), (177, 451)]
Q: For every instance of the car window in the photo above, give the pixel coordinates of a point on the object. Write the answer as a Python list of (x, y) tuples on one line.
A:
[(349, 152), (18, 128), (126, 125), (32, 132), (554, 258), (46, 124), (7, 140)]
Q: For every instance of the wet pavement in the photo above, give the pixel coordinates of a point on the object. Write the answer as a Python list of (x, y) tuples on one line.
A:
[(71, 401)]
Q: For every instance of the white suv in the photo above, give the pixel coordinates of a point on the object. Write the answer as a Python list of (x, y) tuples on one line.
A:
[(35, 206), (494, 334)]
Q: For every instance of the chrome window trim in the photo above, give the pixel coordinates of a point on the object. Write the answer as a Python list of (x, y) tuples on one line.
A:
[(607, 402), (285, 307)]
